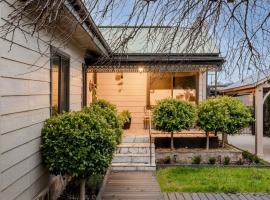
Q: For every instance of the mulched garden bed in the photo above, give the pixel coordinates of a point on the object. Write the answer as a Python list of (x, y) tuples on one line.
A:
[(72, 191)]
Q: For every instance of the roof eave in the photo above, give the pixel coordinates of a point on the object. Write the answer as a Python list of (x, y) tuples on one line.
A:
[(89, 25)]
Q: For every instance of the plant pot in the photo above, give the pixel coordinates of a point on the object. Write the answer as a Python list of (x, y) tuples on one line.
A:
[(127, 124)]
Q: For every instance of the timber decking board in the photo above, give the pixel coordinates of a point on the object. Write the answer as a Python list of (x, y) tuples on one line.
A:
[(132, 185), (215, 196)]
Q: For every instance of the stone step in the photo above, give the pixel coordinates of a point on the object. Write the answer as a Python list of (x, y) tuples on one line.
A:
[(133, 167), (135, 139), (134, 150), (136, 144), (133, 158)]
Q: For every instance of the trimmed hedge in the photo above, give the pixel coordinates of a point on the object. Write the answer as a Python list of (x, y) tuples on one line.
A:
[(225, 114), (77, 144), (173, 115), (110, 116)]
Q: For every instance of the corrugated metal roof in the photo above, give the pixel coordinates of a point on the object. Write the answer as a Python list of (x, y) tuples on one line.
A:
[(253, 80), (157, 40)]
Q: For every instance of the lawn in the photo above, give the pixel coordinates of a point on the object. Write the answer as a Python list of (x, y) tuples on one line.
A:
[(214, 179)]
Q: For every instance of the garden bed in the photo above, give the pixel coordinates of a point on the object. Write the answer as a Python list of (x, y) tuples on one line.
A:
[(189, 155), (214, 179), (72, 191)]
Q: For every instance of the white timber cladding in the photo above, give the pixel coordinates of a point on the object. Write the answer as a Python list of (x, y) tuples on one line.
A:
[(24, 105)]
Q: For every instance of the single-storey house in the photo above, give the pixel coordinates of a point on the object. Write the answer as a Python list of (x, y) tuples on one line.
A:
[(148, 71), (254, 91), (39, 78)]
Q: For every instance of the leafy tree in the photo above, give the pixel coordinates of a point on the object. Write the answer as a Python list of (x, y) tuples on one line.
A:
[(77, 144), (172, 115), (223, 114)]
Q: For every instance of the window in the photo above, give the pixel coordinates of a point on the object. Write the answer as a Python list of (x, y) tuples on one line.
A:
[(60, 64), (177, 85), (84, 85)]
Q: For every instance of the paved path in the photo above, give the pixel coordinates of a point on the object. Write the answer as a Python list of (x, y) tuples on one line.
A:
[(215, 196), (131, 186), (247, 142)]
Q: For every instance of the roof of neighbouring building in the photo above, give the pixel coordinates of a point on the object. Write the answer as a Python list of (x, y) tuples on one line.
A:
[(156, 40), (251, 81)]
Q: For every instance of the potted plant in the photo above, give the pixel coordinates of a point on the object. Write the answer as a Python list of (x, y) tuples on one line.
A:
[(125, 118)]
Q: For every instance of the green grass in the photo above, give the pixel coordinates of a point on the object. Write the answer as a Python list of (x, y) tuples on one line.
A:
[(214, 179)]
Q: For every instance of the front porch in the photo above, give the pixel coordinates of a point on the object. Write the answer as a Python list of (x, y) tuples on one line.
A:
[(138, 92)]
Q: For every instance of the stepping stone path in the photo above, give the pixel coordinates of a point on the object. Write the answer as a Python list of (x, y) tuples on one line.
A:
[(133, 154)]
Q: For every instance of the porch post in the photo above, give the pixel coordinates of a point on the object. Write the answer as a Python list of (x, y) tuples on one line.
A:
[(202, 86), (259, 121)]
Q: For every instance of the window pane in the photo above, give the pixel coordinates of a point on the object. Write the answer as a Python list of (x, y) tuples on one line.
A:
[(160, 87), (55, 84), (64, 91), (184, 88)]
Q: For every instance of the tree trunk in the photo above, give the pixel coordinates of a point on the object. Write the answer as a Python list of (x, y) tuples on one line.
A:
[(172, 146), (82, 189), (207, 140), (224, 139)]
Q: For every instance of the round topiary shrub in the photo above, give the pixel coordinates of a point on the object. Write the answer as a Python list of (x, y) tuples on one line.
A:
[(77, 144), (172, 115), (111, 117), (223, 114), (105, 104)]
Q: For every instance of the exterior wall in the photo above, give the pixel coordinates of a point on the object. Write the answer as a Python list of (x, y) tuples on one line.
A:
[(126, 93), (24, 105)]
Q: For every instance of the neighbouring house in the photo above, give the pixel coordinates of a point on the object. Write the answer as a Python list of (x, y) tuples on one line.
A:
[(148, 71), (37, 79), (254, 91)]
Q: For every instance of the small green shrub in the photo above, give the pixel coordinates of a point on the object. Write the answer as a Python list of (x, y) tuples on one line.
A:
[(212, 160), (256, 159), (105, 104), (240, 162), (248, 156), (109, 115), (196, 160), (124, 116), (172, 115), (227, 160)]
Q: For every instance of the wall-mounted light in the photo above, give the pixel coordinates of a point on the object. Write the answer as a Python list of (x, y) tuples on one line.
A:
[(140, 69)]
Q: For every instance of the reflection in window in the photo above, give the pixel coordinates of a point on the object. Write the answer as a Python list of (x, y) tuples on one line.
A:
[(177, 85), (184, 88), (60, 84), (55, 84)]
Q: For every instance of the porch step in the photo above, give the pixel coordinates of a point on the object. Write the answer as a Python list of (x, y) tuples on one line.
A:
[(136, 139), (133, 167), (133, 154), (133, 158)]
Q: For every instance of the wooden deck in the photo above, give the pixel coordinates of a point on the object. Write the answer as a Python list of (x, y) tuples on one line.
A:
[(131, 186), (215, 196)]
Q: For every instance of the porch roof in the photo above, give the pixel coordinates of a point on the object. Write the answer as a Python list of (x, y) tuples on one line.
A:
[(158, 63), (151, 67)]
